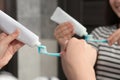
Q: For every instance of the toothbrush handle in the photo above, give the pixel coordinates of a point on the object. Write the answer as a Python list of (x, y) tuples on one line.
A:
[(102, 41)]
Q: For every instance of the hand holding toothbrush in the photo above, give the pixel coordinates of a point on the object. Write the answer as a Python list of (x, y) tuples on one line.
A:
[(78, 61), (66, 30)]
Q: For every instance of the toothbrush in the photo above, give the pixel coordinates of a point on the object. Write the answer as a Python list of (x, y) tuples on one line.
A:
[(43, 50), (9, 25), (60, 16), (89, 38)]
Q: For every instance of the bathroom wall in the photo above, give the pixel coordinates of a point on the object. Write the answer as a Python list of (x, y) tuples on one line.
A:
[(35, 15)]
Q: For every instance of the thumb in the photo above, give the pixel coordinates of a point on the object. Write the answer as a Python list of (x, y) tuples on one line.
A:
[(113, 38), (11, 37), (65, 45)]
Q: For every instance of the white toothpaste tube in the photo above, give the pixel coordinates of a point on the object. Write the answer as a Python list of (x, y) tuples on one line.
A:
[(9, 25), (60, 16)]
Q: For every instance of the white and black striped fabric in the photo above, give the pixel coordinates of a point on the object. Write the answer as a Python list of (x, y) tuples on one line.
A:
[(108, 60)]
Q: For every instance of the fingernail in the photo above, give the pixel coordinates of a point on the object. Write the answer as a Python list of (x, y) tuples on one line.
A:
[(62, 52), (110, 43), (17, 30), (66, 42)]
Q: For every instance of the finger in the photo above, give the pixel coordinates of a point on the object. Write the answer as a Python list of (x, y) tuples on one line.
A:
[(67, 32), (62, 43), (63, 50), (5, 59), (63, 27), (118, 41), (114, 37), (68, 23), (62, 53), (60, 27), (8, 55), (113, 40), (67, 26), (57, 31), (16, 45), (2, 36), (66, 44), (11, 37)]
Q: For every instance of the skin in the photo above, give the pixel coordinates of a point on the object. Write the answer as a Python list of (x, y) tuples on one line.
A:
[(115, 37), (8, 46), (63, 33), (73, 57), (78, 61)]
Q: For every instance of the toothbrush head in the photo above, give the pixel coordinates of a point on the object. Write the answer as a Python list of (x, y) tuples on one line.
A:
[(88, 37), (43, 50)]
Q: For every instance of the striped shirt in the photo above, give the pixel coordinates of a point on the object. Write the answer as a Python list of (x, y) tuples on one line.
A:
[(108, 59)]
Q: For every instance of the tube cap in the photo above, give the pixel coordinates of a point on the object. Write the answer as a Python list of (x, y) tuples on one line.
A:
[(37, 43)]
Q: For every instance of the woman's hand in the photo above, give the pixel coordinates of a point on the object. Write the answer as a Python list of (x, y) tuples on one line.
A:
[(78, 61), (115, 37), (8, 46), (64, 32)]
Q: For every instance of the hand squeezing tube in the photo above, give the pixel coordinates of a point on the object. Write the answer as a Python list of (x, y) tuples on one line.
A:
[(9, 25), (60, 16)]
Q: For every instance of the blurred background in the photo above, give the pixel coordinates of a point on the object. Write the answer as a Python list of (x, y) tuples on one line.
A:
[(27, 64)]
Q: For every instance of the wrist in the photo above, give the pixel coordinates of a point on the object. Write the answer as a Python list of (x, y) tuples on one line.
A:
[(86, 73)]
